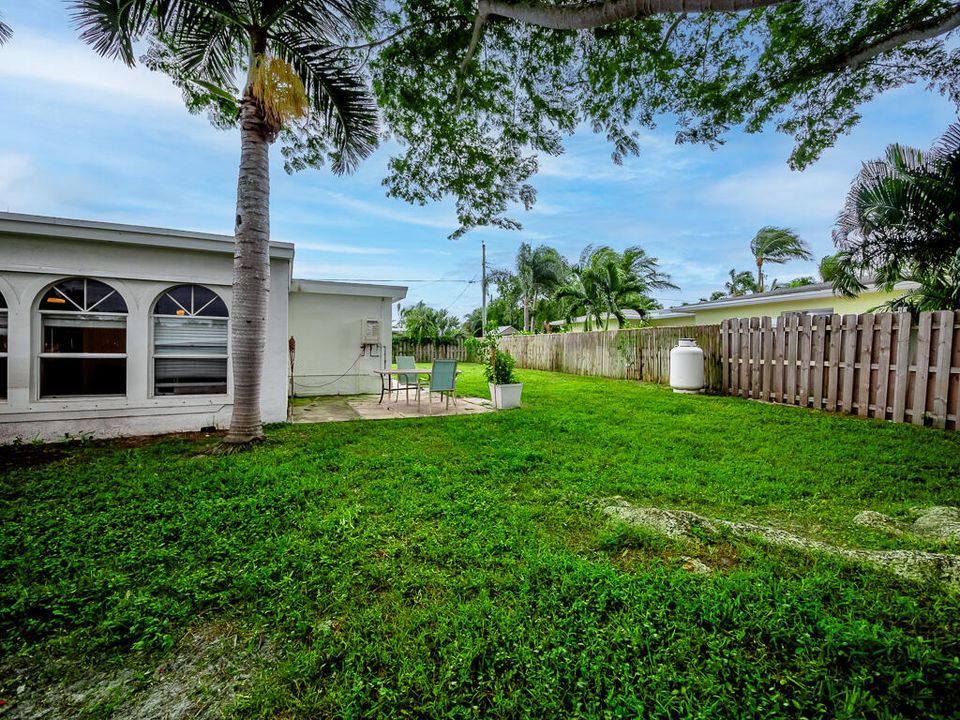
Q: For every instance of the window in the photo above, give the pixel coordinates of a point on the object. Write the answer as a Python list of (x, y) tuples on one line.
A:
[(3, 348), (83, 340), (190, 342)]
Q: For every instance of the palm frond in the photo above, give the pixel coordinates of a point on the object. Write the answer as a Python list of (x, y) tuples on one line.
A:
[(6, 32), (343, 106), (112, 26)]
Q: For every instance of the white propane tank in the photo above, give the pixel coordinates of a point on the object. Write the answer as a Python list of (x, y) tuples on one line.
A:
[(686, 367)]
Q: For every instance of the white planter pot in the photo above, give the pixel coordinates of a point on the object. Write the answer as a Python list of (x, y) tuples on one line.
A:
[(506, 396)]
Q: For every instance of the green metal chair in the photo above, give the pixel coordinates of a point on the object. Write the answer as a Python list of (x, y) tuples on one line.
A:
[(407, 382), (443, 380)]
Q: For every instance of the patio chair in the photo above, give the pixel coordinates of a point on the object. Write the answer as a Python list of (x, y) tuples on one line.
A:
[(443, 380), (407, 382)]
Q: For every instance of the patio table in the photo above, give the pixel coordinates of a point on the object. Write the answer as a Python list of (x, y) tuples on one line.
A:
[(386, 385), (386, 382)]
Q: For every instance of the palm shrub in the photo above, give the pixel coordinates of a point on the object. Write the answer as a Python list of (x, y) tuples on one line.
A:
[(901, 221)]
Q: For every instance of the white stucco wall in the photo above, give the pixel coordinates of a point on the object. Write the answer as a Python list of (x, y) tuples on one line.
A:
[(139, 263), (325, 320)]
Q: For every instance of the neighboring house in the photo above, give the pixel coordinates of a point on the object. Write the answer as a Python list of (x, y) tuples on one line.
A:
[(110, 329), (578, 324), (505, 330), (809, 299)]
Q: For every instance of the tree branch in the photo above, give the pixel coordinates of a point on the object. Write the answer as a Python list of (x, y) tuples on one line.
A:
[(604, 12), (916, 32)]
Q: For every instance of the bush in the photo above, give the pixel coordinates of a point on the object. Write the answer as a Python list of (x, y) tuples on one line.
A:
[(499, 369)]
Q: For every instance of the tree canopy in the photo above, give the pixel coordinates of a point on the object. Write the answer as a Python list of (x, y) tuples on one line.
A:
[(474, 94)]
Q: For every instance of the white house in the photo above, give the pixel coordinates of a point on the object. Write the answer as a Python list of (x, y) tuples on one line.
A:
[(110, 329)]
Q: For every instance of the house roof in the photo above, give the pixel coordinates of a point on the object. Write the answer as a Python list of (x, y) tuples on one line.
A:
[(336, 287), (628, 314), (94, 230), (506, 330), (817, 290)]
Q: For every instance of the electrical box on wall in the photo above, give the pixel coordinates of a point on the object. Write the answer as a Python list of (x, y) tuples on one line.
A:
[(370, 332)]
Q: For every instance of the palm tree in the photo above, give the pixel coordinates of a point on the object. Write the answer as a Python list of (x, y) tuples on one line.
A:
[(902, 214), (539, 272), (740, 283), (295, 79), (605, 283), (776, 245)]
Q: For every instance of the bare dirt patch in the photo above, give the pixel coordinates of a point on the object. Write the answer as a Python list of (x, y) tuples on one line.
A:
[(199, 678), (914, 565)]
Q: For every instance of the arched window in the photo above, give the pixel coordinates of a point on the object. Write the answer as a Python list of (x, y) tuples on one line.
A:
[(3, 348), (84, 340), (189, 342)]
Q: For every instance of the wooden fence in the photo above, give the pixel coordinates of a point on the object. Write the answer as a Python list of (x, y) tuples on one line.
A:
[(635, 354), (882, 366), (428, 352)]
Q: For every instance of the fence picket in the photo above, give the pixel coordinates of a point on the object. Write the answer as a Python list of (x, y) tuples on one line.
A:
[(903, 368), (806, 352), (793, 340), (883, 364), (767, 339), (922, 374), (819, 341), (849, 361), (866, 360), (942, 379), (833, 374)]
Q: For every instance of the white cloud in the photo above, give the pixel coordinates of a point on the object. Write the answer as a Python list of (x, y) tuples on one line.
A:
[(74, 66), (414, 216), (342, 248), (767, 193)]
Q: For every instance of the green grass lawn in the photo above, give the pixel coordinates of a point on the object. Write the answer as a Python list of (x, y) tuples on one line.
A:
[(457, 567)]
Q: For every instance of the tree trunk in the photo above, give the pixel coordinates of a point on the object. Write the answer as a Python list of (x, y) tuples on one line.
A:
[(526, 314), (759, 275), (251, 275)]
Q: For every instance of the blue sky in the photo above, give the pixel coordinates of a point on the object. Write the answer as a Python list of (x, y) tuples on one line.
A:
[(85, 137)]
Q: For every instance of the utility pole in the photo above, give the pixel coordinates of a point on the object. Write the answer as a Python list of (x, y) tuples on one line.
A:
[(483, 287)]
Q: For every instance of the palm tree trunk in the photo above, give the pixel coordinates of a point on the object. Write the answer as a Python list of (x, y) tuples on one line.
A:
[(759, 275), (526, 314), (251, 275)]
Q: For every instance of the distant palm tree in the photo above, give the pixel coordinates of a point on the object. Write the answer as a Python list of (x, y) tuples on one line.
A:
[(740, 283), (6, 32), (776, 245), (293, 77), (829, 267), (605, 283), (539, 271)]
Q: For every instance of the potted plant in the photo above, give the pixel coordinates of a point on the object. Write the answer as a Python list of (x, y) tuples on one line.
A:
[(498, 369)]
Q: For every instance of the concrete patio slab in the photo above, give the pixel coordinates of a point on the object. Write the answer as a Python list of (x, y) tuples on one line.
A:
[(340, 408)]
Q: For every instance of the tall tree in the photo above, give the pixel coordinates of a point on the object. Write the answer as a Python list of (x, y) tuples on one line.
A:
[(475, 93), (777, 245), (901, 221), (294, 79), (539, 271)]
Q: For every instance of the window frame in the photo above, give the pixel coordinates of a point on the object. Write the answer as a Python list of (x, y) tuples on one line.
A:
[(41, 355), (188, 314)]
